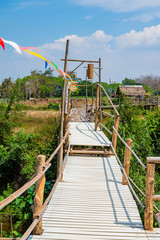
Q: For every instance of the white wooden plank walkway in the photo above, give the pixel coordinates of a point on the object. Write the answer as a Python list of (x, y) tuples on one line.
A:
[(91, 203), (83, 134)]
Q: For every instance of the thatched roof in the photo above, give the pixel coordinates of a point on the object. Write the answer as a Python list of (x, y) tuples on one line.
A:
[(131, 90)]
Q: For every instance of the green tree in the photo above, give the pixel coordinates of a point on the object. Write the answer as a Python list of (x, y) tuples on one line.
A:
[(7, 87), (128, 81)]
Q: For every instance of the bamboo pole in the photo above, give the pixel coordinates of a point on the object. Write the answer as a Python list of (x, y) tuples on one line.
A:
[(58, 158), (97, 101), (114, 135), (63, 109), (39, 192), (100, 119), (67, 120), (92, 109), (148, 214), (127, 156), (86, 96)]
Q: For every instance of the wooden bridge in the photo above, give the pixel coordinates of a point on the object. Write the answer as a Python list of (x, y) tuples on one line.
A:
[(93, 196)]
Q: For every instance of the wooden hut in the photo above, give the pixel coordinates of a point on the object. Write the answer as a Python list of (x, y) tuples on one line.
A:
[(131, 90)]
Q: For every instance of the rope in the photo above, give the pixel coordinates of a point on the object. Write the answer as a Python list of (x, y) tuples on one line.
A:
[(124, 172), (134, 154)]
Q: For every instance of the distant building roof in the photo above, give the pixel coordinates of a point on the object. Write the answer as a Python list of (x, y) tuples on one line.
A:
[(131, 90)]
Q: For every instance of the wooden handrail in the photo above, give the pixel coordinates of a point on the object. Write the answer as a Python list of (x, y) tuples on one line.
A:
[(27, 185), (106, 113), (125, 174), (142, 193), (108, 98), (149, 195), (105, 128), (154, 160), (21, 190), (134, 154), (45, 205), (57, 149)]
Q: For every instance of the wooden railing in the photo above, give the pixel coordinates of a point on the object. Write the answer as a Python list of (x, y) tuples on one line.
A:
[(126, 180), (39, 207), (99, 112), (42, 166)]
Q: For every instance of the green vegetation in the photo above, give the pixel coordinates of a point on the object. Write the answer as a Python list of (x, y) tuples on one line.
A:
[(29, 130), (23, 136), (143, 127)]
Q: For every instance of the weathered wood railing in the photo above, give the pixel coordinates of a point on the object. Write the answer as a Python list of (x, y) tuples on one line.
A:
[(39, 207), (98, 110), (126, 180), (149, 196)]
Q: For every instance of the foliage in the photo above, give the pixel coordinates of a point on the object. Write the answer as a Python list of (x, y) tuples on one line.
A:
[(53, 106), (128, 81), (143, 127), (18, 154)]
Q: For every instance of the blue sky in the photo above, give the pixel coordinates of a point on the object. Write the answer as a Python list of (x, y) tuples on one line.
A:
[(124, 33)]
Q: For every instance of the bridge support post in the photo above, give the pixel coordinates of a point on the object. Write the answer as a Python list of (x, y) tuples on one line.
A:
[(97, 108), (148, 214), (127, 156), (63, 111), (67, 120), (39, 192), (114, 135), (100, 117)]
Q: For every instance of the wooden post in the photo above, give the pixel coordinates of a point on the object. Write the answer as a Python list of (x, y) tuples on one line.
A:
[(86, 96), (58, 159), (114, 135), (63, 109), (67, 120), (92, 109), (127, 156), (148, 214), (97, 108), (100, 93), (39, 192)]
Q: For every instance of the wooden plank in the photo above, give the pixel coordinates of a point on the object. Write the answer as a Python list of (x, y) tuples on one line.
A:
[(91, 202)]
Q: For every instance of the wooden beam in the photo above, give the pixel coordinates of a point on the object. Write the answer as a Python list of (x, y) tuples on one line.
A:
[(97, 108), (100, 119), (156, 197), (127, 156), (77, 67), (91, 152), (154, 160), (39, 192), (96, 73), (114, 135), (75, 60), (148, 214), (63, 109)]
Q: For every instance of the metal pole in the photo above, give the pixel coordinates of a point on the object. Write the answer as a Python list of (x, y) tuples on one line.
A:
[(100, 93), (63, 109)]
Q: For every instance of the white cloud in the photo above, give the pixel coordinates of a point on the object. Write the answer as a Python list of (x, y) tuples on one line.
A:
[(128, 55), (120, 5), (95, 41), (146, 17), (150, 36)]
